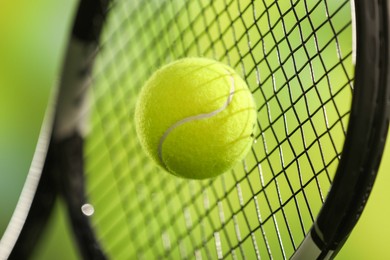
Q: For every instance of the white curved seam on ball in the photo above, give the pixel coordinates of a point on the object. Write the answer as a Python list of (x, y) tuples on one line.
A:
[(196, 117)]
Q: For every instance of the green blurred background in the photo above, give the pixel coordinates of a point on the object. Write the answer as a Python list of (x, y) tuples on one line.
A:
[(32, 37)]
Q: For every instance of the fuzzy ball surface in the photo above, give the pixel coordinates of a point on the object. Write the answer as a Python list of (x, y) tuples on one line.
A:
[(195, 118)]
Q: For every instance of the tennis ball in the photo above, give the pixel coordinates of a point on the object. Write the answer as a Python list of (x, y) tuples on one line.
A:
[(194, 117)]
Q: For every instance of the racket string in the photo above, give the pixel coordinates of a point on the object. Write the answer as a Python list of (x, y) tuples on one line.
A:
[(297, 59)]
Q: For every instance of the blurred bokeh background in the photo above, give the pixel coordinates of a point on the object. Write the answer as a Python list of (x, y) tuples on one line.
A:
[(32, 42)]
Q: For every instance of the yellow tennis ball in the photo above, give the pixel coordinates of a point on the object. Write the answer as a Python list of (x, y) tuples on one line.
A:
[(195, 117)]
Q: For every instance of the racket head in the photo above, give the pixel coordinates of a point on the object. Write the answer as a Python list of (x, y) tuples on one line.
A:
[(268, 42), (309, 93)]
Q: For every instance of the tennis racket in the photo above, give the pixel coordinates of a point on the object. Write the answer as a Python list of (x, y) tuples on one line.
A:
[(319, 73)]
